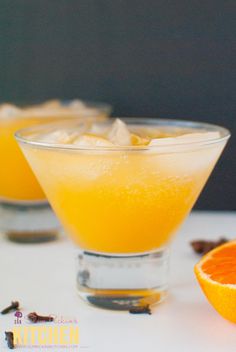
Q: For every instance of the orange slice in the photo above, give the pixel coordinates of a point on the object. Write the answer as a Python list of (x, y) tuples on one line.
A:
[(137, 140), (216, 274)]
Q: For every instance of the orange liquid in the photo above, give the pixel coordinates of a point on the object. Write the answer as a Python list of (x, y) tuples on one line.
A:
[(122, 202), (17, 181)]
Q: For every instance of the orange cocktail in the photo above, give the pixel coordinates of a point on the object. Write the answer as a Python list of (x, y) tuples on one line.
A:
[(17, 182), (123, 190)]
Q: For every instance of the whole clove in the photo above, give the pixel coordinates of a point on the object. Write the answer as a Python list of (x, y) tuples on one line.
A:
[(35, 318), (12, 307), (9, 337), (202, 247), (140, 310)]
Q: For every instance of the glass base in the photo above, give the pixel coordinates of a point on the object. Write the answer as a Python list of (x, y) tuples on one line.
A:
[(28, 222), (122, 282)]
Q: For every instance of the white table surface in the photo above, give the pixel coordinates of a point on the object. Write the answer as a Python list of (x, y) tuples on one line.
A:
[(42, 278)]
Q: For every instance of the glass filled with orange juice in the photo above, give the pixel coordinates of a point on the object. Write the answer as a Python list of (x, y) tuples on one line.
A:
[(121, 189), (25, 215)]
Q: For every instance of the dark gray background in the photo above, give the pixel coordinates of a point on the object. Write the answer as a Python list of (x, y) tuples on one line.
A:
[(172, 59)]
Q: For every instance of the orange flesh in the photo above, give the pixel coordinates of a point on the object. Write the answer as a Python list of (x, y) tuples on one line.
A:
[(221, 266)]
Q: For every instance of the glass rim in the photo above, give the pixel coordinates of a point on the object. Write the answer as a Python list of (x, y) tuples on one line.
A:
[(145, 121)]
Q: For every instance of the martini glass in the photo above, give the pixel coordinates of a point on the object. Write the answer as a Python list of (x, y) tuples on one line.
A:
[(25, 215), (122, 205)]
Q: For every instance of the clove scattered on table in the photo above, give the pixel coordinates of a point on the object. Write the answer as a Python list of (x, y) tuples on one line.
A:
[(35, 318), (9, 337), (14, 306), (202, 246)]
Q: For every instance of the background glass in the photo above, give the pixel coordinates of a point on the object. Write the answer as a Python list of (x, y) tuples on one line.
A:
[(25, 215)]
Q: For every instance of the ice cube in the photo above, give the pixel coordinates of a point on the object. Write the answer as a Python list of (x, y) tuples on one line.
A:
[(89, 140), (80, 107), (188, 160), (98, 129), (50, 104), (77, 104), (58, 137), (186, 138), (119, 133), (9, 110)]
